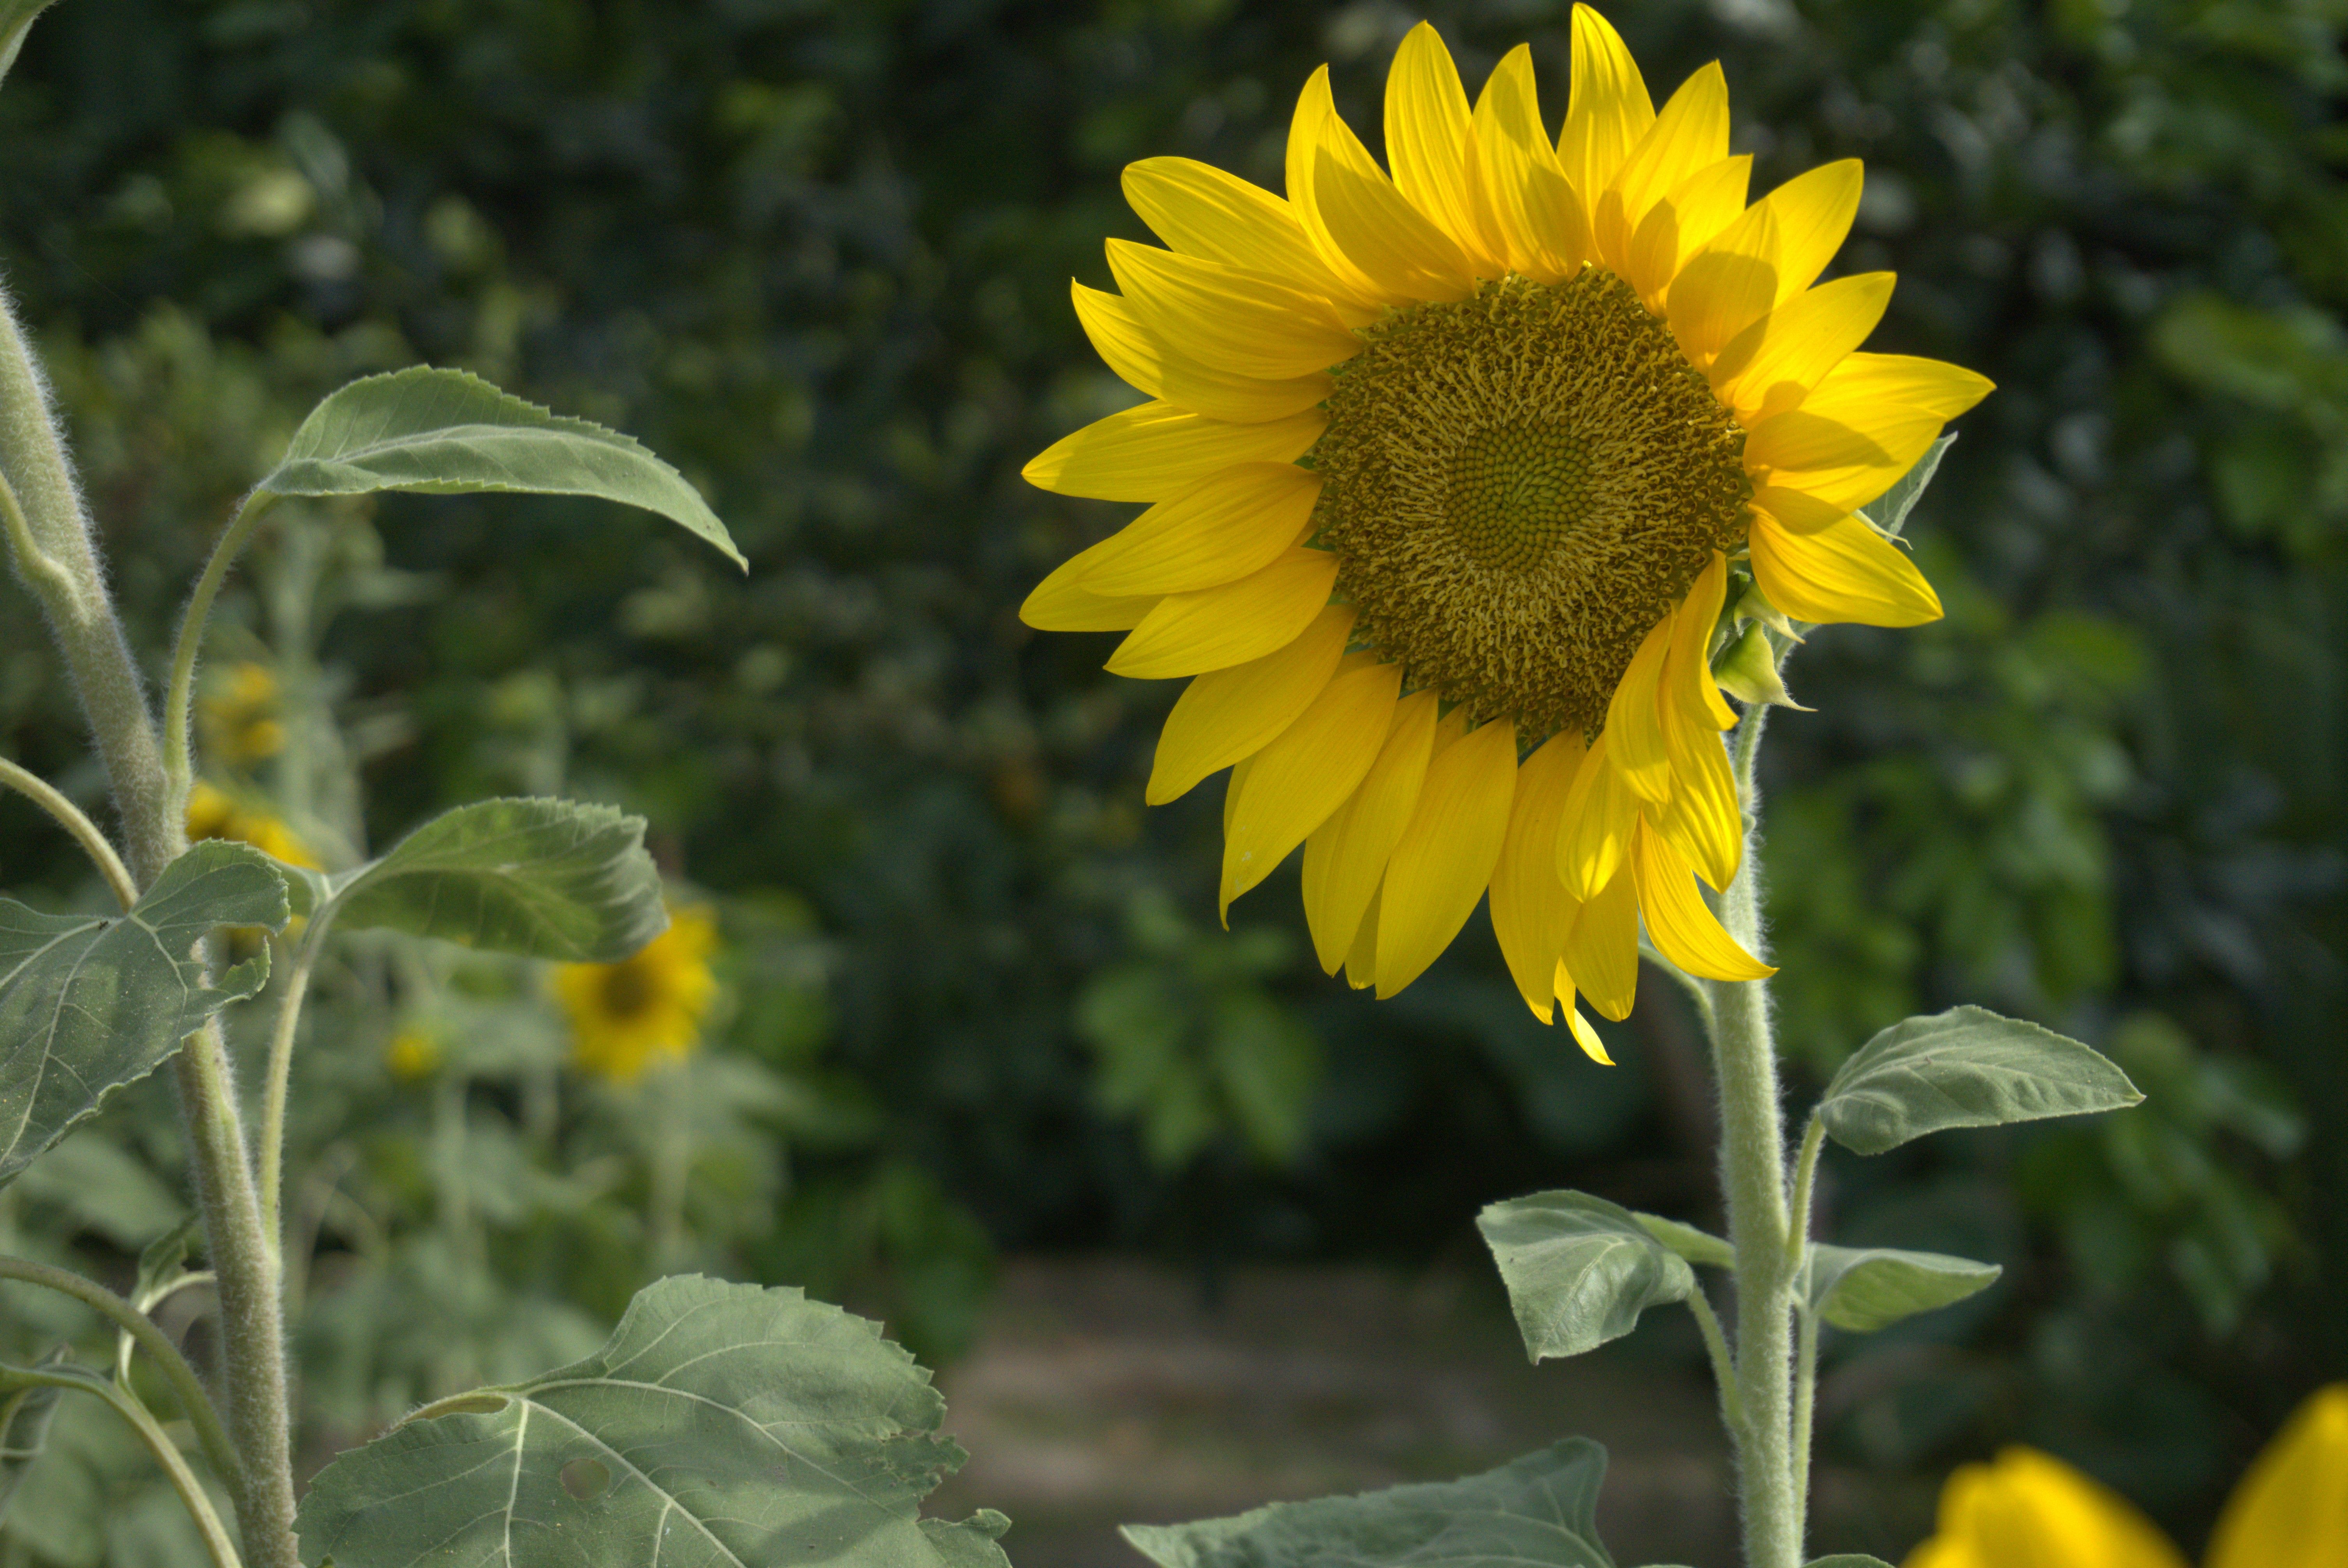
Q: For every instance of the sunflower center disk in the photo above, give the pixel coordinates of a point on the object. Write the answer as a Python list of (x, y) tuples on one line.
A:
[(1518, 487)]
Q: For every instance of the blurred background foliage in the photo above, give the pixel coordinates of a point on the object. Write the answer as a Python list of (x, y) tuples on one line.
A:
[(816, 253)]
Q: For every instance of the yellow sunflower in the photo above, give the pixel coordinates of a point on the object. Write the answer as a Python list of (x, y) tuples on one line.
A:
[(1453, 475), (241, 715), (643, 1009), (213, 812)]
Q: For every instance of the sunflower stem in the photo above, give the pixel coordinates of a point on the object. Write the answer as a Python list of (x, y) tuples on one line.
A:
[(1753, 1169)]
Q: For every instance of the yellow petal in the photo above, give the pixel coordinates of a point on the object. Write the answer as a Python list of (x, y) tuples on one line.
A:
[(1509, 147), (2291, 1510), (1061, 604), (1428, 142), (1601, 951), (1814, 210), (1584, 1035), (1726, 286), (1314, 111), (1230, 319), (1690, 133), (1440, 869), (1838, 462), (1683, 929), (1684, 221), (1875, 381), (1608, 112), (1146, 362), (1346, 857), (1772, 364), (1299, 780), (1845, 571), (1634, 719), (1227, 715), (2029, 1510), (1702, 819), (1595, 836), (1150, 451), (1687, 675), (1216, 627), (1202, 210), (1362, 215), (1532, 911), (1233, 783), (1230, 524), (1361, 958)]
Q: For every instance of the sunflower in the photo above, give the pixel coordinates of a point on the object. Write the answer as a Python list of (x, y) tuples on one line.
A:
[(241, 715), (1459, 476), (213, 812), (644, 1009), (2029, 1510)]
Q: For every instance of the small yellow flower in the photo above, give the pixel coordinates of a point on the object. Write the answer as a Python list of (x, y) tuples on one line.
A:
[(412, 1054), (1455, 464), (626, 1015), (240, 716), (2029, 1510), (213, 813)]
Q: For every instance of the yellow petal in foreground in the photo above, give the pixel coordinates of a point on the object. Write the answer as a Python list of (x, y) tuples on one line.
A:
[(1520, 191), (1682, 929), (1690, 133), (1839, 464), (1532, 911), (1346, 856), (2290, 1510), (1249, 323), (1216, 627), (1296, 783), (2029, 1510), (1608, 112), (1686, 221), (1772, 364), (1364, 216), (1813, 212), (1878, 380), (1584, 1035), (1146, 363), (1235, 522), (1600, 809), (1601, 951), (1441, 867), (1634, 718), (1725, 287), (1227, 715), (1201, 210), (1150, 451), (1314, 107), (1845, 571), (1427, 141), (1062, 604)]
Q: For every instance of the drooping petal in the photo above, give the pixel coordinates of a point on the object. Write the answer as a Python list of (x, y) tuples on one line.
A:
[(1145, 360), (1216, 627), (1634, 716), (2290, 1510), (1229, 714), (1346, 857), (1299, 780), (1532, 911), (1150, 451), (1683, 929), (1202, 210), (1601, 951), (1845, 571), (1584, 1035), (1702, 819), (1441, 865), (1595, 836), (1608, 112), (1687, 676), (1232, 523), (1361, 957), (1230, 319), (1690, 133), (1429, 143), (1772, 364)]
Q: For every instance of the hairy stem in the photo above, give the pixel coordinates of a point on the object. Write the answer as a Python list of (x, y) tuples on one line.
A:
[(179, 694), (278, 1085), (185, 1384), (69, 816)]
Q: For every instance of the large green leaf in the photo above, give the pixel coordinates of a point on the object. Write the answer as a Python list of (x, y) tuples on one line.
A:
[(723, 1426), (88, 1003), (1867, 1288), (1579, 1269), (543, 879), (446, 432), (1964, 1068), (1537, 1511)]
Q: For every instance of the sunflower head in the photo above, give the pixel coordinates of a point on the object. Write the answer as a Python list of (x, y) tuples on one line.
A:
[(213, 812), (242, 716), (1453, 466), (647, 1007)]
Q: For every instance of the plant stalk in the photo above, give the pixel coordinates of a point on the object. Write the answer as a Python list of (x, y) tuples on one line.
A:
[(198, 1502), (87, 834)]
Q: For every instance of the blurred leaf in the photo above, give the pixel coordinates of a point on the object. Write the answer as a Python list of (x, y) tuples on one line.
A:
[(541, 878), (1579, 1269), (1267, 1062), (24, 1418), (448, 432), (95, 1186), (722, 1424), (1695, 1245), (1964, 1068), (1537, 1511), (1863, 1289), (87, 1005), (1889, 511), (16, 21)]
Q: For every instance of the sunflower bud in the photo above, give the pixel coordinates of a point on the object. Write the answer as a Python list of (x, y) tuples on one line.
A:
[(1748, 671)]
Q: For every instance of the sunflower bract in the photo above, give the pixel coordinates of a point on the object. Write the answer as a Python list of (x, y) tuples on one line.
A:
[(1456, 471)]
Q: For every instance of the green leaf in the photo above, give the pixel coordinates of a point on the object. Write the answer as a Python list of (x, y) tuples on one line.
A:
[(88, 1004), (1863, 1289), (1579, 1269), (1964, 1068), (1537, 1511), (16, 21), (1695, 1245), (24, 1416), (542, 878), (1889, 511), (447, 432), (723, 1426)]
